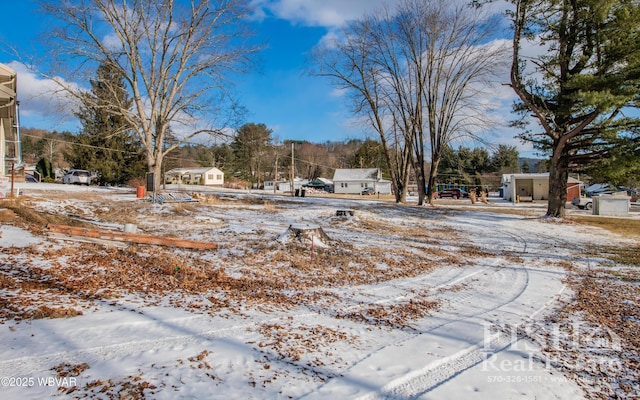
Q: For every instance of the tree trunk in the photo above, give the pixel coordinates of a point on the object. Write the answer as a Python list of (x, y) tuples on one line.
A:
[(401, 190), (419, 168), (157, 171), (403, 197), (558, 175), (421, 189), (154, 165), (433, 175)]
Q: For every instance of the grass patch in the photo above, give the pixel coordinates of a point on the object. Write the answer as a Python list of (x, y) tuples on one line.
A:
[(33, 218), (625, 227), (624, 255)]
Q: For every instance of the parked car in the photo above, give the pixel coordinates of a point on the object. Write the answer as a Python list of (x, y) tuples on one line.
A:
[(600, 188), (78, 177), (30, 178), (368, 191), (453, 193), (582, 202)]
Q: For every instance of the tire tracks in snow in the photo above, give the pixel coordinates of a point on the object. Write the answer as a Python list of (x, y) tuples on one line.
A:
[(422, 380)]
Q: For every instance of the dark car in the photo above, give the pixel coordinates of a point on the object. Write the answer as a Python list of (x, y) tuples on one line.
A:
[(452, 193), (368, 191)]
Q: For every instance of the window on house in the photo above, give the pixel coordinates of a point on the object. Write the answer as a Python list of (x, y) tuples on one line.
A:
[(219, 177), (210, 177)]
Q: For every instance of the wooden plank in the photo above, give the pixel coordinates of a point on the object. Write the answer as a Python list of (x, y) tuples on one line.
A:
[(130, 237), (84, 239)]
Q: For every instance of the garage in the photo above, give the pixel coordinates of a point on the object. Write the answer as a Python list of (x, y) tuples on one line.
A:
[(530, 187)]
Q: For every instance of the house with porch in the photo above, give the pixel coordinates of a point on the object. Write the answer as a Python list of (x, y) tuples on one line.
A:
[(10, 149), (208, 176)]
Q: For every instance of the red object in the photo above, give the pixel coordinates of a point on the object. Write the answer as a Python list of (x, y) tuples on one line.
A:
[(140, 192)]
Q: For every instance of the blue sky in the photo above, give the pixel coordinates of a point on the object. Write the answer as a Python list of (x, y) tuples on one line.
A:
[(280, 95)]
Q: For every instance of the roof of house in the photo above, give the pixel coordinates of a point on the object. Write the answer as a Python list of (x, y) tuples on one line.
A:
[(177, 171), (320, 181), (545, 175), (357, 174)]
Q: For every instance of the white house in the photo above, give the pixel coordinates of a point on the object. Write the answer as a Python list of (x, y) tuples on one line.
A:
[(354, 181), (208, 176), (284, 186), (529, 187)]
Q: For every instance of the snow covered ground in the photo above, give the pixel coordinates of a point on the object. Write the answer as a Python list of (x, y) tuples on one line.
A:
[(403, 302)]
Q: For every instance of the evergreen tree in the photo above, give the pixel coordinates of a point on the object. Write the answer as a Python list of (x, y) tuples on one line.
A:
[(250, 150), (582, 88), (505, 160), (106, 144), (45, 169), (371, 155), (621, 168), (464, 165)]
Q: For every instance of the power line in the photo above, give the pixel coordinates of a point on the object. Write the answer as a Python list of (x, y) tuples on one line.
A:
[(316, 164), (101, 147)]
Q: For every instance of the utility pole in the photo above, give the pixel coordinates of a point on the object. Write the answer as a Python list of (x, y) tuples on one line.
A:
[(275, 176), (293, 160)]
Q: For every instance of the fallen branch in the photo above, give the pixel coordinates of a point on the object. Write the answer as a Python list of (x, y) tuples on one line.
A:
[(130, 237)]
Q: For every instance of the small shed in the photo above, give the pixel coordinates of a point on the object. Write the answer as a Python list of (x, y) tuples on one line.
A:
[(208, 176), (355, 180), (615, 205), (573, 188), (529, 187)]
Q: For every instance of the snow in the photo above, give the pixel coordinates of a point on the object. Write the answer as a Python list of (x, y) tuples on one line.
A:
[(473, 281)]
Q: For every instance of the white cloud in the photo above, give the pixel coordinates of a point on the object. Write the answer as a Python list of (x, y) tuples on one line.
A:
[(334, 13), (112, 42), (338, 92), (327, 13), (42, 101)]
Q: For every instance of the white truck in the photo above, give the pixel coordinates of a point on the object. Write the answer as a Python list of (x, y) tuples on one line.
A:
[(585, 201), (582, 202)]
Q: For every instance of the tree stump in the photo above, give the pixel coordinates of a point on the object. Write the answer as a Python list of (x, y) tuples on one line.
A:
[(306, 233)]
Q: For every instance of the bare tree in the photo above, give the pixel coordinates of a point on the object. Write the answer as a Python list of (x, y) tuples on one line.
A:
[(414, 70), (453, 65), (175, 58), (353, 63)]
